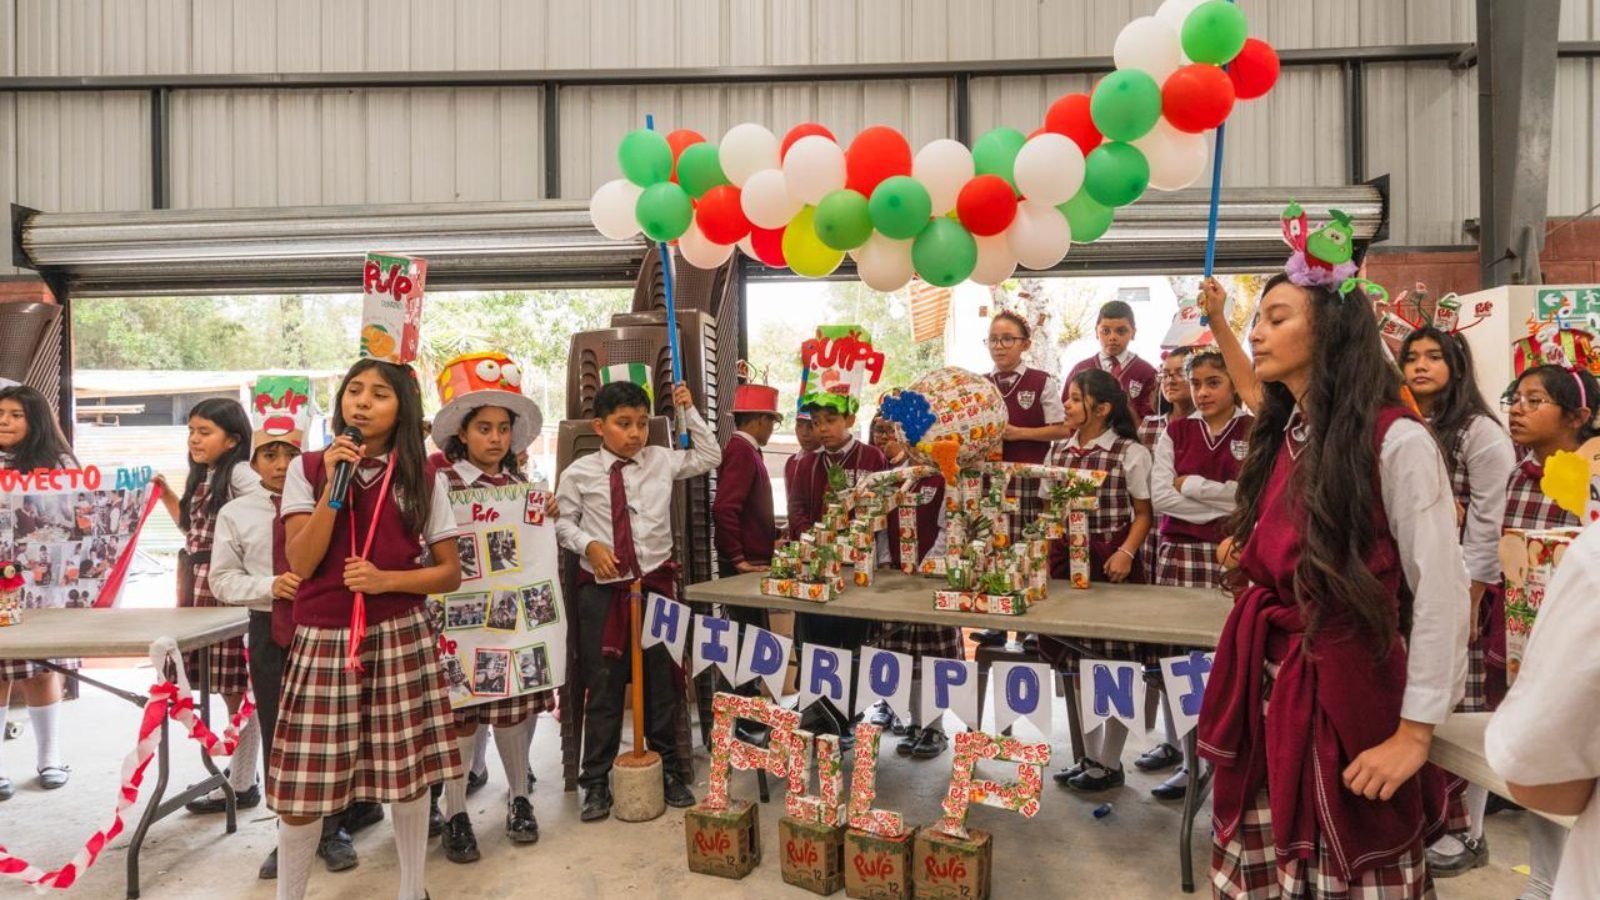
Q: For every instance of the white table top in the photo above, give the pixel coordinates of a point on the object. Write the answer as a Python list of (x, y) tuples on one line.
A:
[(1189, 617), (48, 633), (1458, 747)]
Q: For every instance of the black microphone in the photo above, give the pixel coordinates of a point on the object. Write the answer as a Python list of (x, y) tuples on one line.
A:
[(343, 471)]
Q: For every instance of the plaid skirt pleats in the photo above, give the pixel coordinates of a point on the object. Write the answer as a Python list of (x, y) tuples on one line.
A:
[(381, 735), (23, 669), (1248, 868), (935, 641), (1186, 563), (227, 668), (508, 711)]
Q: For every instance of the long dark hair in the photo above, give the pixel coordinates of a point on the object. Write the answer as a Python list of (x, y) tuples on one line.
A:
[(1334, 481), (1460, 401), (413, 482), (1573, 389), (1100, 387), (43, 447), (455, 449), (230, 417)]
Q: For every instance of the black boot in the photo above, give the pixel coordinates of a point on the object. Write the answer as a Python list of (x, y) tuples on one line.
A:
[(460, 844)]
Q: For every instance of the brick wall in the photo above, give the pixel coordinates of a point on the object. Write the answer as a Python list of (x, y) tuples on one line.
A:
[(1571, 256)]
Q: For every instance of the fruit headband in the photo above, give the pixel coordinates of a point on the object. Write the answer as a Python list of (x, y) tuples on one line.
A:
[(1321, 258)]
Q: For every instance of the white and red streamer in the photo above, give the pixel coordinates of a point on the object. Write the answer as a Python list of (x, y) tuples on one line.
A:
[(172, 699)]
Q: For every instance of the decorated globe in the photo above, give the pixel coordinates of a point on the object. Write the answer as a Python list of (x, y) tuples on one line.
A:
[(950, 418)]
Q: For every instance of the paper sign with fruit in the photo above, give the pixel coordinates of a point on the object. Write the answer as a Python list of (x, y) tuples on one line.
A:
[(391, 307), (836, 365)]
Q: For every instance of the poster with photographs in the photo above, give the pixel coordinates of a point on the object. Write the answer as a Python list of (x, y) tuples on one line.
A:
[(498, 631), (72, 531)]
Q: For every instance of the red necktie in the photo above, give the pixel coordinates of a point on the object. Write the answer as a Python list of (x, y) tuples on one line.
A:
[(1115, 368), (621, 525)]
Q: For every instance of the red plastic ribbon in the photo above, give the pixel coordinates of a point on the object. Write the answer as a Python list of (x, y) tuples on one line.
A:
[(358, 610)]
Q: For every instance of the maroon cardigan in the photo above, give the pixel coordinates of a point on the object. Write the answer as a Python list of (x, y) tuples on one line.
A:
[(742, 509), (1139, 380)]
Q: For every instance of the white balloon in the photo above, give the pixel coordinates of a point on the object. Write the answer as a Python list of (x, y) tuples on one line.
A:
[(745, 150), (814, 168), (1174, 12), (747, 244), (699, 251), (996, 262), (1150, 45), (943, 167), (1049, 168), (766, 200), (1040, 235), (884, 264), (1177, 159), (611, 209)]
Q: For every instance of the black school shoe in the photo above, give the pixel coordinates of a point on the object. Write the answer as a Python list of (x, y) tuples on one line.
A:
[(338, 852), (930, 743), (989, 637), (269, 867), (361, 816), (242, 800), (1474, 854), (908, 742), (596, 803), (1065, 776), (521, 826), (475, 782), (435, 817), (1097, 778), (678, 794), (1159, 758), (460, 844)]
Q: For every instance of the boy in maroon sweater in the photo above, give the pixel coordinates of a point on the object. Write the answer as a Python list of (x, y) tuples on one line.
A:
[(1115, 330), (742, 509)]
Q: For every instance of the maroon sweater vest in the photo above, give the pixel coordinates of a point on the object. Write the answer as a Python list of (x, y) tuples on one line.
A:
[(808, 490), (743, 506), (1196, 452), (323, 601), (1139, 380), (1024, 410)]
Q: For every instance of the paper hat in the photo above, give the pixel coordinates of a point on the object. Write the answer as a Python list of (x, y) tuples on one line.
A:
[(1551, 342), (476, 380), (835, 367), (757, 398), (281, 410), (1322, 257)]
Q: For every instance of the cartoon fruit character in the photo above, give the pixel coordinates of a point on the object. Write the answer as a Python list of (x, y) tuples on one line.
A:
[(1333, 243), (377, 342)]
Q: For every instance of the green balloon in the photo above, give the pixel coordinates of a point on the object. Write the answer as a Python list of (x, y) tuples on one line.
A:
[(944, 253), (900, 207), (1088, 219), (646, 157), (1115, 174), (1214, 32), (664, 211), (996, 153), (700, 169), (843, 221), (1126, 104)]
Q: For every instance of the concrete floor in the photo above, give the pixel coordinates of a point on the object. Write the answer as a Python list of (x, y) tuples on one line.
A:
[(1063, 853)]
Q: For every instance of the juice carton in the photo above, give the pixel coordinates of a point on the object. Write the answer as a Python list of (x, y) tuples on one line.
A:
[(391, 307)]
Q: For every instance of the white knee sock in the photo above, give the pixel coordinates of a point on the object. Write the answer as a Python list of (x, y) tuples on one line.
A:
[(1113, 735), (242, 765), (480, 751), (411, 843), (1166, 721), (45, 720), (297, 847), (455, 790), (4, 708), (1546, 841), (512, 745), (1476, 800)]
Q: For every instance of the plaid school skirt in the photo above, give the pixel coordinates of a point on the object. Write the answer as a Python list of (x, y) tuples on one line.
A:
[(23, 669), (1187, 563), (381, 736), (508, 712), (1248, 868), (229, 672), (936, 641)]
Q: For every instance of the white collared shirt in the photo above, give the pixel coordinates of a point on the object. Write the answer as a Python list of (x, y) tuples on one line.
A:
[(1547, 731), (241, 555), (1421, 508), (1487, 453), (1135, 462), (1055, 411), (1125, 357), (584, 494), (298, 499), (1201, 500)]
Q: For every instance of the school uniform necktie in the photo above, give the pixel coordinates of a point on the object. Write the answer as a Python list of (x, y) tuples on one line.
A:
[(1115, 368), (621, 524)]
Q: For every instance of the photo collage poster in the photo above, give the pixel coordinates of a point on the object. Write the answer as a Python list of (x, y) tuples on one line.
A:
[(503, 632), (72, 532)]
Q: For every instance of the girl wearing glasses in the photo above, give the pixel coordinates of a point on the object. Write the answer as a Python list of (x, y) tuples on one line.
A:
[(1551, 409), (1437, 367)]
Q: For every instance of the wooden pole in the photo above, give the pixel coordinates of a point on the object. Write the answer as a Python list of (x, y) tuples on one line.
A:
[(636, 614)]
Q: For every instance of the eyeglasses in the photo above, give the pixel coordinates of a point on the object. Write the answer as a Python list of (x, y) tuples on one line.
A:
[(1005, 340), (1531, 404), (1171, 376)]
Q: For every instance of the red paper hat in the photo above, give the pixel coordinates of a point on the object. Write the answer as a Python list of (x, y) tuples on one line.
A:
[(757, 398), (484, 379)]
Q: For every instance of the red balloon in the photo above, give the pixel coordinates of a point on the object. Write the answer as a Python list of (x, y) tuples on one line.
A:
[(986, 205), (806, 129), (879, 152), (720, 217), (1036, 132), (1197, 98), (768, 244), (1069, 116), (680, 139), (1255, 70)]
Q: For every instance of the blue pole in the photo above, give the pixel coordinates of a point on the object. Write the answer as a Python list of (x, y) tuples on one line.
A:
[(665, 253), (1216, 198)]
